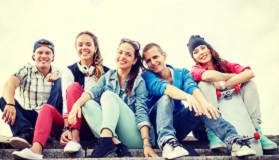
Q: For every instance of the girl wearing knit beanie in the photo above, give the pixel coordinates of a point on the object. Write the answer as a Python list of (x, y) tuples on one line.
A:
[(214, 73)]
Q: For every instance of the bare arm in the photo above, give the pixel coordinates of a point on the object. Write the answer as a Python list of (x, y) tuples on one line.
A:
[(242, 77), (208, 110), (178, 94), (215, 76), (9, 113), (10, 88), (76, 109), (148, 151)]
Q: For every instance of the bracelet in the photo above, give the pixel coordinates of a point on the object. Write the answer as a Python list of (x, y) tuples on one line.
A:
[(145, 137), (146, 145), (66, 128), (10, 104)]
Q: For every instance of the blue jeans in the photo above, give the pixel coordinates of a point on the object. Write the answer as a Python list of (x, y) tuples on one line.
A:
[(26, 119), (178, 125)]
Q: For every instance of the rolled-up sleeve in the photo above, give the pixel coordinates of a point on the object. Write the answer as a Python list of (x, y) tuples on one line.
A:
[(141, 113), (236, 68), (97, 90), (189, 85), (154, 84), (197, 72)]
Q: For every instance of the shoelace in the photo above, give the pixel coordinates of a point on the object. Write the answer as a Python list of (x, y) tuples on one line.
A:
[(243, 143), (174, 144), (98, 145)]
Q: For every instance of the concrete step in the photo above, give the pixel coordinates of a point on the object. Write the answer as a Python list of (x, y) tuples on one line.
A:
[(54, 150), (58, 153), (188, 142)]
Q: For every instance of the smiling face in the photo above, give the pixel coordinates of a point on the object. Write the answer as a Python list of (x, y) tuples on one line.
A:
[(155, 60), (43, 57), (202, 54), (85, 48), (125, 56)]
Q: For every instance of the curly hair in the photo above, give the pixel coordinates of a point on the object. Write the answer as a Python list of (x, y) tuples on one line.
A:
[(219, 62)]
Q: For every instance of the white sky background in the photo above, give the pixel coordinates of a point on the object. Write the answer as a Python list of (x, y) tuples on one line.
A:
[(246, 32)]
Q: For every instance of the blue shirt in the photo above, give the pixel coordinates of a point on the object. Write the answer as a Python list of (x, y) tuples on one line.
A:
[(156, 87)]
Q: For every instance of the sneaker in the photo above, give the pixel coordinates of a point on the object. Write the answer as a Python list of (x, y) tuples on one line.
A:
[(5, 131), (214, 141), (4, 139), (172, 149), (26, 154), (267, 144), (103, 148), (19, 143), (242, 148), (72, 147), (122, 151)]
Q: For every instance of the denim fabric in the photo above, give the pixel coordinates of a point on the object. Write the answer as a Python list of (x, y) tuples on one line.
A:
[(156, 86), (55, 98), (136, 101), (26, 119), (181, 123), (115, 115)]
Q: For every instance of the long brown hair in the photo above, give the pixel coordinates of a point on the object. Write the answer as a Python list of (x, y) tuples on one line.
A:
[(135, 68), (219, 62), (97, 58)]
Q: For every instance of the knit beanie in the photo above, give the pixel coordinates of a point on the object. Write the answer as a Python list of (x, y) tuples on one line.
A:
[(194, 42)]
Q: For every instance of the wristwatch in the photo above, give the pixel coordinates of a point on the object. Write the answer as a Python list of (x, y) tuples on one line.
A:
[(66, 128), (222, 84)]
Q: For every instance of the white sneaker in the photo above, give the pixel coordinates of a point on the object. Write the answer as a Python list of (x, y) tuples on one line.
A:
[(26, 154), (173, 149), (242, 148), (19, 143), (4, 139), (72, 147), (5, 131)]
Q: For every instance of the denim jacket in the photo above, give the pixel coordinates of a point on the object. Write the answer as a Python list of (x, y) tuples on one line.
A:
[(136, 101), (156, 87)]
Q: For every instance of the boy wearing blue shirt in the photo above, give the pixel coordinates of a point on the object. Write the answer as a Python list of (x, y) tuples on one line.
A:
[(168, 87)]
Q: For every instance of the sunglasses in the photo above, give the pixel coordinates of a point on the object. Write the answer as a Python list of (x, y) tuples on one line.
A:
[(137, 44)]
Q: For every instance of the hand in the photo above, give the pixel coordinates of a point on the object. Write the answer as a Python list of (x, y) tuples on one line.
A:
[(65, 137), (194, 104), (9, 114), (217, 85), (72, 118), (52, 77), (148, 151), (210, 111)]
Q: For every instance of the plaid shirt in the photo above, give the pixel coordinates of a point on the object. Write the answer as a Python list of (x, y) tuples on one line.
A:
[(34, 87)]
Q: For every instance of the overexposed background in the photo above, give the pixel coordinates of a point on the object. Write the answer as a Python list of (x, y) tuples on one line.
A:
[(246, 32)]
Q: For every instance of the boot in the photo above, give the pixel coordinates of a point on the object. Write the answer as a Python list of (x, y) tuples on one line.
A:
[(266, 143), (214, 141)]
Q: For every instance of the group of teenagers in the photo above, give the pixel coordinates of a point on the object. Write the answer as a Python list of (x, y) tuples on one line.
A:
[(142, 103)]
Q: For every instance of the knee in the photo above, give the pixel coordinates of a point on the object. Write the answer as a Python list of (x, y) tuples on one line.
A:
[(107, 95), (165, 99), (46, 108), (89, 105), (165, 102), (73, 87), (250, 84), (206, 86)]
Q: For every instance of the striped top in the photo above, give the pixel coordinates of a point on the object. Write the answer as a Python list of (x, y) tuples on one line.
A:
[(34, 88)]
